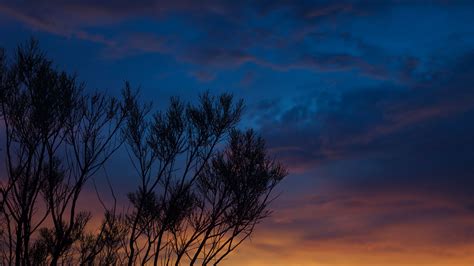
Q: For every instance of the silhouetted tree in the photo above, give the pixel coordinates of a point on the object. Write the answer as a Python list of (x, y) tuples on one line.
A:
[(195, 201), (57, 137), (204, 184)]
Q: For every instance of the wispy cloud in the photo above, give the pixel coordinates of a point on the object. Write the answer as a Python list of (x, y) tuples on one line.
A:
[(363, 121), (221, 37)]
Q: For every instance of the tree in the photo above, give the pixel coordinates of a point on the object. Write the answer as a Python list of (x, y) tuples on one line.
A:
[(57, 137), (204, 184), (204, 208)]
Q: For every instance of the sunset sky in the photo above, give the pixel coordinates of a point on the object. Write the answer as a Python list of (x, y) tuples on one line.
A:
[(369, 104)]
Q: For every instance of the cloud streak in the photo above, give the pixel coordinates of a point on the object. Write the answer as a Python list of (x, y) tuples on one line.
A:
[(387, 228), (220, 37), (334, 126)]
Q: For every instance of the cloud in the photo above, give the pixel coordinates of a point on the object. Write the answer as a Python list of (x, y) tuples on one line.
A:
[(212, 33), (219, 57), (61, 24), (376, 227), (135, 43), (281, 36), (380, 122), (42, 24)]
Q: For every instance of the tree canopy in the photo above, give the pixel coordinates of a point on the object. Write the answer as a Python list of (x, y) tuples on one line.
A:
[(203, 184)]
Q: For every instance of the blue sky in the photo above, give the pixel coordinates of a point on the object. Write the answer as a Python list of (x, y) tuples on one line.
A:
[(361, 99)]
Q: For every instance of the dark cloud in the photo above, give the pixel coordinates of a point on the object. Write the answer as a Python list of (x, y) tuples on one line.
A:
[(417, 134), (225, 33), (220, 57)]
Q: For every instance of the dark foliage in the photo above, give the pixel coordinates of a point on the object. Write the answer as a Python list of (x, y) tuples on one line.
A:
[(204, 185)]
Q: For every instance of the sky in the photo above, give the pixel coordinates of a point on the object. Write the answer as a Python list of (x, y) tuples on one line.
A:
[(370, 105)]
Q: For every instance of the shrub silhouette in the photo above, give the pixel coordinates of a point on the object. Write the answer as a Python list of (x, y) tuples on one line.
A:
[(203, 184)]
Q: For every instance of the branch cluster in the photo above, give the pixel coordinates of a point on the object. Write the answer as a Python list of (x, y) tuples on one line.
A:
[(203, 185)]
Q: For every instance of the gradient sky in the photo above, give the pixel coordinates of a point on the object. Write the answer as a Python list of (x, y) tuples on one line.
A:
[(369, 104)]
